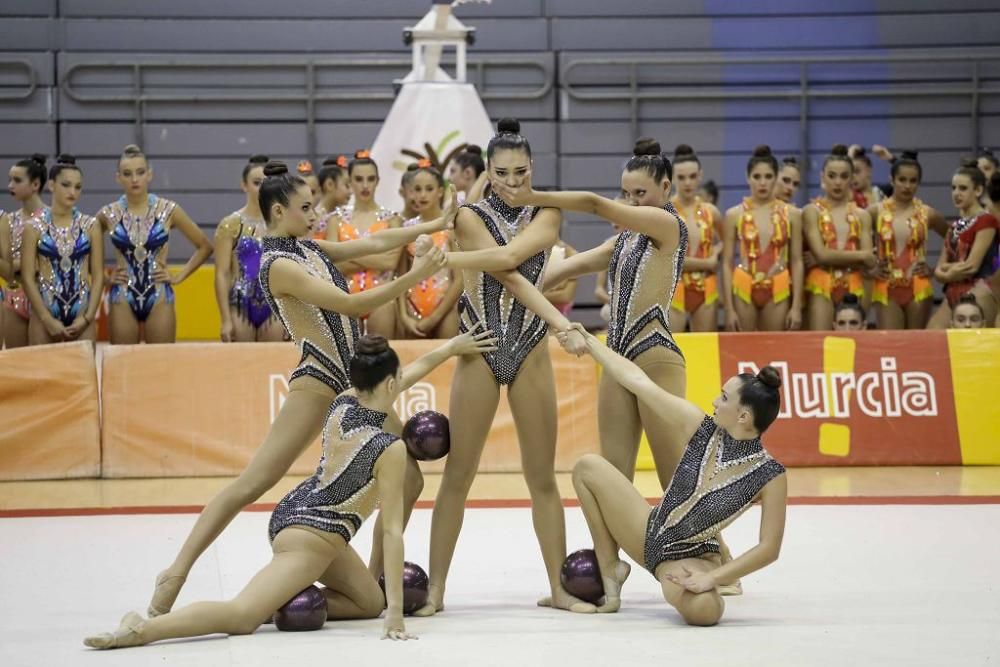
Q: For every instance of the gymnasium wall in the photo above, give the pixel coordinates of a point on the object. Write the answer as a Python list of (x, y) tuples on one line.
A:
[(528, 48)]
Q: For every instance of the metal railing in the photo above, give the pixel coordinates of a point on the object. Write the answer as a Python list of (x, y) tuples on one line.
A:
[(311, 93), (29, 86), (804, 90)]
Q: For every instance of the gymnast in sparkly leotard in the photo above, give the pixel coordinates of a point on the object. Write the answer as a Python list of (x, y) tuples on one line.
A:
[(363, 463), (505, 250), (63, 263), (139, 223), (243, 309), (27, 177), (723, 470), (311, 298), (644, 264)]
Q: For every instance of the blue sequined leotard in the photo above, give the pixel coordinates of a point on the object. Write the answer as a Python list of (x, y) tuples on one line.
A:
[(327, 339), (342, 493), (716, 480), (486, 300), (64, 290), (641, 283), (139, 239)]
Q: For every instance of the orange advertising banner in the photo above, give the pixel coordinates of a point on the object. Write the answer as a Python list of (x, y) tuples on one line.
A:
[(202, 409), (870, 398), (51, 414)]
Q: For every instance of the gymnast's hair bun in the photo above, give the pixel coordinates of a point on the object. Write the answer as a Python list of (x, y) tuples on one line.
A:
[(908, 155), (682, 150), (791, 161), (839, 150), (371, 345), (66, 158), (968, 297), (258, 159), (132, 150), (970, 163), (39, 158), (478, 150), (508, 126), (770, 377), (762, 150), (275, 168), (646, 146), (850, 299)]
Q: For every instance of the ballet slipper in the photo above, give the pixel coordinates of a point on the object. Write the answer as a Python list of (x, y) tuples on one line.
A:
[(613, 587), (733, 589), (561, 599), (435, 604), (168, 586), (128, 634)]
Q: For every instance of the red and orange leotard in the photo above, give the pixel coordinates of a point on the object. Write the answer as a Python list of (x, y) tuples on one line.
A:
[(698, 288), (902, 286), (835, 282), (763, 275)]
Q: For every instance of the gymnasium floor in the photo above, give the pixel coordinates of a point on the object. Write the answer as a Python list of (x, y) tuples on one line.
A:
[(880, 566)]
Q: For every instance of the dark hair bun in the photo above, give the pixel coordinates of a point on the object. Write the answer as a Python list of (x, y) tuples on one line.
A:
[(985, 152), (770, 377), (132, 149), (968, 297), (476, 150), (646, 146), (790, 160), (508, 126), (413, 166), (970, 163), (851, 299), (66, 158), (682, 150), (258, 159), (371, 345), (275, 169), (908, 155), (40, 158), (839, 150), (762, 150)]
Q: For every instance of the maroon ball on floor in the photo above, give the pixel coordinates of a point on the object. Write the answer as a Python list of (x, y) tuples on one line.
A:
[(306, 611), (581, 576), (427, 435), (414, 587)]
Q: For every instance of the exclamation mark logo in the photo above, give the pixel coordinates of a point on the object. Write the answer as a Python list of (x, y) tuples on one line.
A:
[(838, 357)]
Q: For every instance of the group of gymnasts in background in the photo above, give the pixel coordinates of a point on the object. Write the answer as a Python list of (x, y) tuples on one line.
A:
[(768, 265), (712, 468)]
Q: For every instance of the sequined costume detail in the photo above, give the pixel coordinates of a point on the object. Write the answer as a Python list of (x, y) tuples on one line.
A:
[(716, 480), (63, 289), (14, 297), (327, 339), (139, 239), (485, 299), (641, 282), (343, 492), (423, 298), (246, 296), (347, 231), (958, 244)]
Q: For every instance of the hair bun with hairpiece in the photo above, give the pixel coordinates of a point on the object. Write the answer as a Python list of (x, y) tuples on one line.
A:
[(646, 146), (275, 168), (508, 126), (770, 377), (371, 344)]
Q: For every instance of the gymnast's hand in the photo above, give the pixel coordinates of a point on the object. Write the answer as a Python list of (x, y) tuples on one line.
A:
[(447, 219), (520, 195), (475, 341), (695, 582), (394, 629), (426, 265), (423, 244), (574, 339)]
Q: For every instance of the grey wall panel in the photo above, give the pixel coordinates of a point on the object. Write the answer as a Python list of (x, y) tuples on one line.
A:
[(29, 34), (12, 8), (38, 107), (271, 35), (645, 8), (15, 76), (614, 137), (21, 139), (187, 139), (405, 9)]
